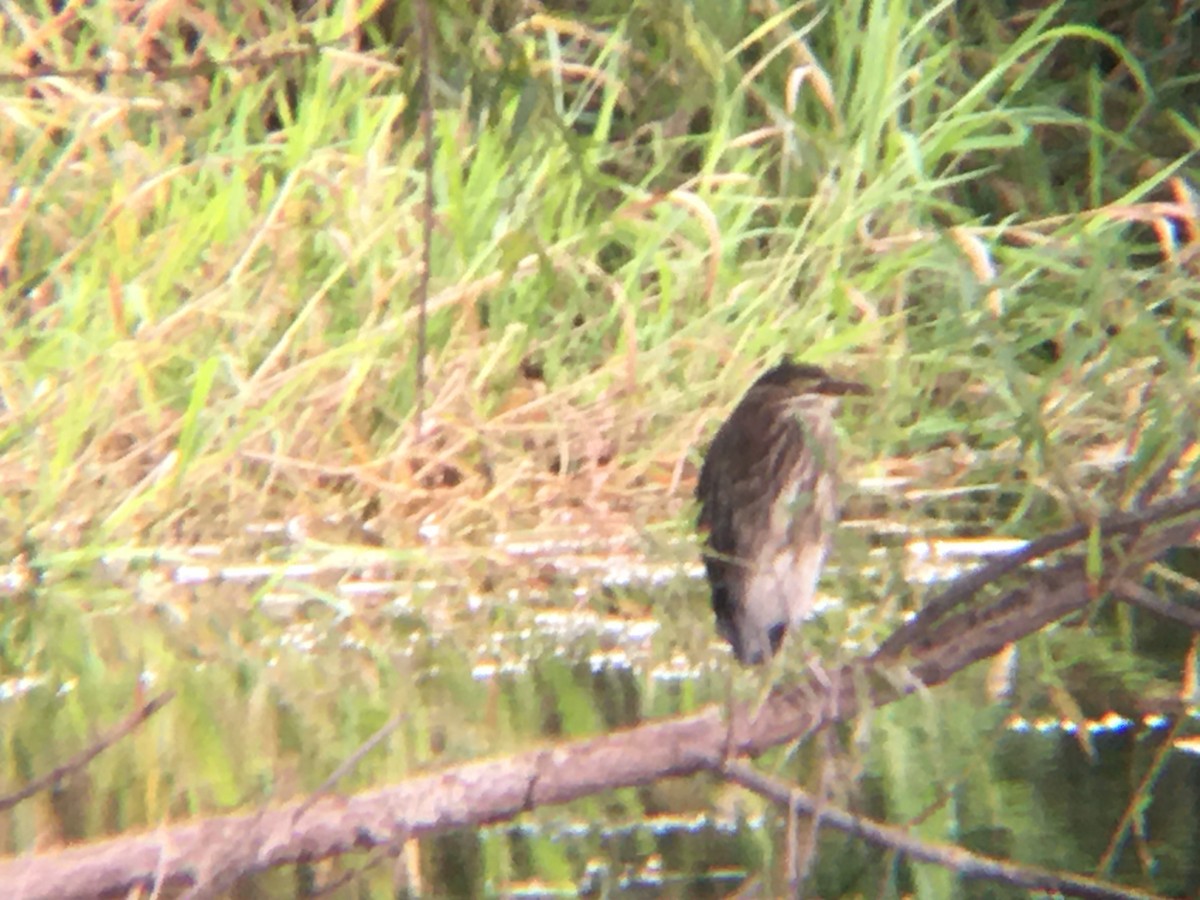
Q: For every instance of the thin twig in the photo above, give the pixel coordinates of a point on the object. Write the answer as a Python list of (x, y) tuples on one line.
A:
[(1160, 476), (1142, 795), (350, 762), (1144, 598), (131, 722), (963, 862)]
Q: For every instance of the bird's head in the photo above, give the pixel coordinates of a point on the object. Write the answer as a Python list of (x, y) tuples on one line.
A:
[(806, 383)]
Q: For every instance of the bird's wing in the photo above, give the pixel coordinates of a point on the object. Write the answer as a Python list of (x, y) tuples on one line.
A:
[(747, 467)]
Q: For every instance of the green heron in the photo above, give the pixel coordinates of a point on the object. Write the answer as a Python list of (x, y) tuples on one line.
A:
[(768, 500)]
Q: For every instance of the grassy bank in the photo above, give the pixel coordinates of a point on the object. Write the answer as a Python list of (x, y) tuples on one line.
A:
[(212, 281)]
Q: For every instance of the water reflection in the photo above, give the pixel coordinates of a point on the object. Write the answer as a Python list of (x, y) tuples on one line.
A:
[(494, 651)]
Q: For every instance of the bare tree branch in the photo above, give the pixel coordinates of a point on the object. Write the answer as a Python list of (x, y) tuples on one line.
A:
[(962, 589)]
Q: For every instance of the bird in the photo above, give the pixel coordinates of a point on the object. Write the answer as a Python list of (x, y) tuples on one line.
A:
[(768, 505)]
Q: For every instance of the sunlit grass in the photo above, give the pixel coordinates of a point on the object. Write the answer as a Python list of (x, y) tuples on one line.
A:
[(231, 312)]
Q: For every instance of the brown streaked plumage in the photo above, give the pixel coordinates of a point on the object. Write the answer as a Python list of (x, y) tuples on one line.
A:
[(768, 501)]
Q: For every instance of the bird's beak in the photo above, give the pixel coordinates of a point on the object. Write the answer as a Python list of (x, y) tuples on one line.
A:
[(837, 388)]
